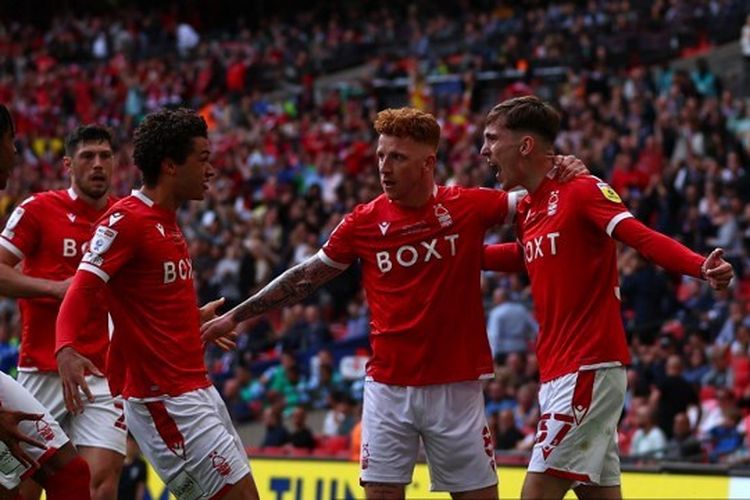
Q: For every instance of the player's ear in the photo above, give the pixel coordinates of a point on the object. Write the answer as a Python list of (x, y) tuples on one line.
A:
[(168, 167), (67, 162), (429, 163), (527, 145)]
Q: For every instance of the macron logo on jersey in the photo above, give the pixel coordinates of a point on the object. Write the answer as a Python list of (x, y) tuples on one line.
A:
[(114, 218), (71, 217), (384, 227), (160, 228)]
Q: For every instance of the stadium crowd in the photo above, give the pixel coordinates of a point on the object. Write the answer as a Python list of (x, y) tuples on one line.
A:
[(674, 144)]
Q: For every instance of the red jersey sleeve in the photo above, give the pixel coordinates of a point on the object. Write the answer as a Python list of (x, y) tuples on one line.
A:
[(112, 245), (659, 249), (505, 257), (600, 204), (495, 206), (22, 231), (338, 251), (76, 311)]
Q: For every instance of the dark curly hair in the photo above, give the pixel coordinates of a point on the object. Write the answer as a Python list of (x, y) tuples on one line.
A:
[(167, 133), (86, 133)]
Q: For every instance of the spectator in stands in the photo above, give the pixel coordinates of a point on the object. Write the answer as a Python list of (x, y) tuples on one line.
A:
[(276, 434), (648, 441), (510, 326), (725, 438), (683, 445), (301, 436), (719, 375), (673, 395), (508, 434), (328, 382), (339, 420), (697, 367), (526, 411), (497, 398)]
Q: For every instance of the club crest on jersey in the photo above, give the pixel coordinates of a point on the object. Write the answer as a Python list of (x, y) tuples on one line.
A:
[(102, 240), (609, 193), (554, 200), (384, 227), (443, 216)]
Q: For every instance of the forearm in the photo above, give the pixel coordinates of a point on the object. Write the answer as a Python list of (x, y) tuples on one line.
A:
[(14, 283), (659, 249), (289, 288), (76, 309), (506, 257)]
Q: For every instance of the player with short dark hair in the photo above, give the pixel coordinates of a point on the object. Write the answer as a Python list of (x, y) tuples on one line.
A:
[(420, 246), (138, 263), (47, 233), (566, 242)]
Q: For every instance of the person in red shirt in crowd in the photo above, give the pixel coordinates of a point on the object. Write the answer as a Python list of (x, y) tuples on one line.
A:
[(420, 246), (33, 444), (566, 242), (47, 232), (138, 264)]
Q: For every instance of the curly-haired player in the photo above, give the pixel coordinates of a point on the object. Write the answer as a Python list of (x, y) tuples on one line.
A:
[(138, 262)]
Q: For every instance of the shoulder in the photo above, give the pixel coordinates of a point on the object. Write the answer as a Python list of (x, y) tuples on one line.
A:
[(474, 193), (369, 209)]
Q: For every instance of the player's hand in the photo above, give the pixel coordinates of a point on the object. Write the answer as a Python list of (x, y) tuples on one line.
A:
[(568, 167), (72, 368), (221, 327), (208, 311), (13, 437), (60, 288), (717, 271)]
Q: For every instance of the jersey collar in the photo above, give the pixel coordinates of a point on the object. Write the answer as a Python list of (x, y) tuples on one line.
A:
[(72, 193), (142, 196)]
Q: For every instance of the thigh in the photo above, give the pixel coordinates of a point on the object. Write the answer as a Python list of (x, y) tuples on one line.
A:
[(188, 443), (47, 389), (578, 426), (102, 423), (457, 439), (15, 397), (390, 440)]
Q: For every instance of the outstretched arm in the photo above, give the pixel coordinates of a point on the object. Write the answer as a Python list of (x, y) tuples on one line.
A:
[(289, 288), (672, 255), (505, 257)]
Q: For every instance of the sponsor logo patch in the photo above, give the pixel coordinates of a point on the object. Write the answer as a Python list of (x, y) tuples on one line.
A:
[(608, 192), (102, 240)]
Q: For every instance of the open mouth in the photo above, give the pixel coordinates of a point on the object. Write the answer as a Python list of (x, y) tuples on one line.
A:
[(388, 184), (99, 178)]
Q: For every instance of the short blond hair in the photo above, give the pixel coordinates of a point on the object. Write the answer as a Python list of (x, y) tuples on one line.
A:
[(409, 122)]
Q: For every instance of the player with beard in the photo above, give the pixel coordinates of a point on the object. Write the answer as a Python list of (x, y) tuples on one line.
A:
[(47, 233)]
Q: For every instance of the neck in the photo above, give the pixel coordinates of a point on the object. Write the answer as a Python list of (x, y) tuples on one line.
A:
[(162, 196), (419, 198), (97, 203), (538, 169)]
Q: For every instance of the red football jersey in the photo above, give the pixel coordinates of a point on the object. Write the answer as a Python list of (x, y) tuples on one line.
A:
[(565, 231), (421, 270), (140, 251), (49, 232)]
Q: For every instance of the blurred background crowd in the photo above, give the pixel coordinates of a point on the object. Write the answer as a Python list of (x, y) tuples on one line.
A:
[(290, 99)]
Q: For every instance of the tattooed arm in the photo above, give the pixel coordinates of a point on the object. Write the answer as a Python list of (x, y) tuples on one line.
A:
[(289, 288)]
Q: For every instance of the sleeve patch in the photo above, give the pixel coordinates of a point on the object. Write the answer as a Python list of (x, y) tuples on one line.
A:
[(608, 192), (102, 240)]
